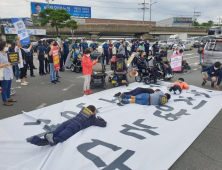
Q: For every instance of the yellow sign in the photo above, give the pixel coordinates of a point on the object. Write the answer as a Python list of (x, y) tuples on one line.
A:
[(13, 58)]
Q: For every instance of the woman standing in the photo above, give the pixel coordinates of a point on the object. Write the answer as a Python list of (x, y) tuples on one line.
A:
[(41, 57), (87, 64), (50, 60), (7, 75), (23, 62)]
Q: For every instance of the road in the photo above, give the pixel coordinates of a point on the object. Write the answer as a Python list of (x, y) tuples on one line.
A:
[(205, 153)]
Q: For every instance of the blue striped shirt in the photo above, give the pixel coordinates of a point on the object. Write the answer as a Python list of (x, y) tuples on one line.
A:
[(7, 73)]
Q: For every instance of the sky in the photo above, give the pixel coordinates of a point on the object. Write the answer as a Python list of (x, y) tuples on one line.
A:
[(125, 9)]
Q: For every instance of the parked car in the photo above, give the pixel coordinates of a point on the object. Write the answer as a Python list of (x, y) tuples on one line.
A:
[(212, 52), (171, 42), (188, 45), (204, 39)]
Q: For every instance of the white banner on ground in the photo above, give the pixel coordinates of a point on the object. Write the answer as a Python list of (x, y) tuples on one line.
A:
[(136, 137)]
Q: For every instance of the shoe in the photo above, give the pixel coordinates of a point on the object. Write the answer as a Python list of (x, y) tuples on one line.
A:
[(170, 75), (11, 100), (120, 99), (44, 73), (35, 68), (89, 91), (47, 72), (32, 75), (167, 76), (24, 84), (29, 139), (54, 82), (61, 70), (86, 92), (117, 94), (212, 84), (204, 83), (57, 81), (41, 74), (18, 81), (58, 77), (49, 138), (7, 103)]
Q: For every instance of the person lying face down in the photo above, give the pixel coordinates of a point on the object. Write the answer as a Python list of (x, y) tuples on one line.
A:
[(137, 91), (157, 98), (176, 87), (85, 118)]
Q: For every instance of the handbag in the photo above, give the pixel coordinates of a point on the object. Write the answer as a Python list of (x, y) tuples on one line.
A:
[(1, 70)]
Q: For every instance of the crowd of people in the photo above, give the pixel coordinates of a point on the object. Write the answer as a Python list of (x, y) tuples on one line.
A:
[(46, 64)]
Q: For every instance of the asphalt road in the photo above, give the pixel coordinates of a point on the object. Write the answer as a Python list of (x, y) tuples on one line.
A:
[(204, 154)]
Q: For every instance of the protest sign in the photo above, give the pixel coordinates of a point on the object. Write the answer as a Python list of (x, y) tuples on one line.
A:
[(13, 58), (55, 56), (176, 62)]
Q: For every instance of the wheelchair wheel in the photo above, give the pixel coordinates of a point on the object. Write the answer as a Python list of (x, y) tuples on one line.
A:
[(72, 68), (116, 84), (147, 81), (91, 85), (138, 78), (127, 84), (77, 69), (155, 80)]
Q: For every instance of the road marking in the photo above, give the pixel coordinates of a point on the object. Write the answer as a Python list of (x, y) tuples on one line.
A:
[(46, 83), (67, 80), (188, 54), (191, 57), (195, 69), (16, 87), (68, 87), (80, 77), (41, 106)]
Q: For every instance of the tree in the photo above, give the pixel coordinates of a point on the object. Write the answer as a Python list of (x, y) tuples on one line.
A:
[(195, 23), (210, 23), (71, 24), (55, 18)]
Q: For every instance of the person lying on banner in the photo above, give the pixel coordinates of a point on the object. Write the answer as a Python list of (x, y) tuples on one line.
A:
[(157, 98), (178, 86), (213, 74), (165, 65), (77, 56), (184, 61), (136, 91), (85, 118)]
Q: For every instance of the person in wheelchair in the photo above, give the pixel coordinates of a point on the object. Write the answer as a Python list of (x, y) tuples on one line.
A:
[(184, 62), (77, 57), (165, 65)]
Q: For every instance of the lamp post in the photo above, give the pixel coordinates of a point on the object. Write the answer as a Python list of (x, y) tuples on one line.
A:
[(150, 9)]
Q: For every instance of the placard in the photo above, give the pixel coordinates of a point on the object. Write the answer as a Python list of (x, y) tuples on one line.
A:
[(176, 62), (55, 56), (13, 57)]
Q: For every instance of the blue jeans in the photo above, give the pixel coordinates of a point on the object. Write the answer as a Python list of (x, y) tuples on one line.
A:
[(169, 70), (52, 72), (200, 57), (142, 99), (6, 89), (17, 73), (65, 131)]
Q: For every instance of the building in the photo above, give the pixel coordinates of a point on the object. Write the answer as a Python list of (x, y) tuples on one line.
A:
[(175, 22)]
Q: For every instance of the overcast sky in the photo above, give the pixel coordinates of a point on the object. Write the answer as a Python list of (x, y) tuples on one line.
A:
[(210, 10)]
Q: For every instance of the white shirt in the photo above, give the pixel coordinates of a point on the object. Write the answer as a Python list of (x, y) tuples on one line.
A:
[(21, 64)]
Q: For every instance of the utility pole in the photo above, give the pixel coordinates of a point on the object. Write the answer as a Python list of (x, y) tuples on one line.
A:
[(150, 9), (195, 14), (144, 8), (48, 2)]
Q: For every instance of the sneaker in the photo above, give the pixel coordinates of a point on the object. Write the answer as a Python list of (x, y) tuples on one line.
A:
[(117, 94), (53, 82), (24, 84), (57, 80), (204, 83), (170, 75), (212, 84), (86, 92), (18, 81), (89, 91), (32, 75), (49, 138), (120, 99), (167, 76)]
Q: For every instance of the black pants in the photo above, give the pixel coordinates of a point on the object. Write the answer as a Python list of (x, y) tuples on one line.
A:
[(13, 68), (29, 60), (23, 71), (66, 53), (46, 66), (61, 62), (41, 64), (106, 55), (126, 56), (147, 54), (176, 89)]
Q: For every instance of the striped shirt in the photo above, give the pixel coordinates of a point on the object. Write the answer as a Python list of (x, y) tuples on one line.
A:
[(7, 73)]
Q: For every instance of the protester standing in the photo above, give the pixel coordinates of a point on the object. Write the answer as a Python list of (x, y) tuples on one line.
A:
[(122, 49), (29, 58), (7, 75), (50, 60), (41, 57), (147, 48), (105, 53), (200, 51), (126, 51), (117, 46), (93, 45), (66, 50), (110, 49), (87, 64), (133, 46), (84, 46)]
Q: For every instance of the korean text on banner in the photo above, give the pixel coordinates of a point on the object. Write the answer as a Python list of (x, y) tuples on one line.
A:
[(13, 58), (21, 31), (55, 55), (176, 62)]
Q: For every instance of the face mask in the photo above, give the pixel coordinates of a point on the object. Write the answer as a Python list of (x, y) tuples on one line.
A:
[(88, 55), (105, 42), (201, 43), (118, 41), (6, 49), (156, 42), (215, 68), (81, 41), (138, 52), (77, 51), (147, 42)]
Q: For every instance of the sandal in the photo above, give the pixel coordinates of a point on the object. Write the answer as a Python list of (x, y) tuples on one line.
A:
[(7, 104), (11, 100)]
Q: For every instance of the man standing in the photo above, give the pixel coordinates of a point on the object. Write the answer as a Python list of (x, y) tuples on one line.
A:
[(93, 45), (117, 46), (61, 58), (106, 53), (84, 45), (165, 47), (133, 47), (155, 48), (200, 51), (126, 51), (122, 49), (66, 49), (110, 49), (147, 48), (29, 58)]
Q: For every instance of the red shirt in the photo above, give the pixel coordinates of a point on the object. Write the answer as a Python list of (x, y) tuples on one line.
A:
[(110, 50), (87, 65)]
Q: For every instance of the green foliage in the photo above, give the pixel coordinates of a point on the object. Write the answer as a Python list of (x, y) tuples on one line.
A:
[(196, 23), (71, 24), (55, 18)]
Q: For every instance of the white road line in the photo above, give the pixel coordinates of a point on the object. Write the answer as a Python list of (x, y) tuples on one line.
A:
[(46, 83), (195, 69), (67, 80), (41, 106), (80, 77), (16, 87), (68, 87), (191, 57)]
